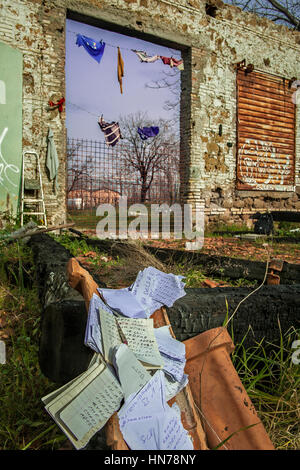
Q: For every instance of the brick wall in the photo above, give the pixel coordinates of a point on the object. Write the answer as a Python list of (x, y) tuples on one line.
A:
[(211, 46)]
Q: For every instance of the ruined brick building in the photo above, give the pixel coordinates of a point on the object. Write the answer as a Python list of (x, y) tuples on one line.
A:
[(240, 126)]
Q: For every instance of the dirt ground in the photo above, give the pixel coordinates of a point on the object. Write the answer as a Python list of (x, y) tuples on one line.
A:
[(240, 248)]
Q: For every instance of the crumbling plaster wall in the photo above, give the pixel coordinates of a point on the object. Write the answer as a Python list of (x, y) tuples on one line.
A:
[(211, 47)]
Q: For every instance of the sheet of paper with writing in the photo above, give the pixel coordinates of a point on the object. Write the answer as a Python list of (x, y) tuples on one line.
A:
[(155, 288), (132, 374), (81, 392), (141, 289), (110, 334), (147, 422), (94, 406), (139, 333)]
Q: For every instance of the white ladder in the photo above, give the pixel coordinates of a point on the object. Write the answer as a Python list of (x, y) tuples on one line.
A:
[(32, 194)]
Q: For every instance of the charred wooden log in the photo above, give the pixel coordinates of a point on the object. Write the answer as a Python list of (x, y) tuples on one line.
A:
[(267, 313), (62, 353)]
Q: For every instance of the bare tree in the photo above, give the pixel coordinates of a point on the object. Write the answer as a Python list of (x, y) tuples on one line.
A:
[(285, 12), (79, 168), (146, 158)]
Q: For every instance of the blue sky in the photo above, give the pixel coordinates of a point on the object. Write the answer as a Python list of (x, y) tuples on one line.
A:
[(95, 88)]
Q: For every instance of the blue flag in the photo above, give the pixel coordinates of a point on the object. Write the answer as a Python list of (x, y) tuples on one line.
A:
[(147, 132), (94, 48)]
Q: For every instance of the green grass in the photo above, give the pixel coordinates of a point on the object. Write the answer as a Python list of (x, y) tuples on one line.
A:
[(272, 382), (24, 422)]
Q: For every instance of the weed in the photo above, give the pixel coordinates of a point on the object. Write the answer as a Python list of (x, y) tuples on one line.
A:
[(272, 383)]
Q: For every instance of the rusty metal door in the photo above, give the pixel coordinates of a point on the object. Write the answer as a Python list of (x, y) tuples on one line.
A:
[(265, 132)]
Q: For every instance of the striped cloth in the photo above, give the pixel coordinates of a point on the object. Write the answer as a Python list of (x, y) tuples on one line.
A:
[(111, 131)]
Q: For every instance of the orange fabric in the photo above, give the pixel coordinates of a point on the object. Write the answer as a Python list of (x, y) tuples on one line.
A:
[(120, 69)]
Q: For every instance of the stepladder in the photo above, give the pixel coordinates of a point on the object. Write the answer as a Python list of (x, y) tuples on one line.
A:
[(32, 195)]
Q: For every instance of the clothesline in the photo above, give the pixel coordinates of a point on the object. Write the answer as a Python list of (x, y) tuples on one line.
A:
[(82, 109), (112, 129), (108, 44)]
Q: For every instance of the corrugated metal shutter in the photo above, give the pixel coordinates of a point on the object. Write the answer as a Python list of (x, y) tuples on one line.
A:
[(265, 132)]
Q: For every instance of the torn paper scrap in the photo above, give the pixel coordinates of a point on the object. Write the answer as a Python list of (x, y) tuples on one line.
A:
[(168, 345), (147, 422), (124, 302), (153, 287), (173, 388)]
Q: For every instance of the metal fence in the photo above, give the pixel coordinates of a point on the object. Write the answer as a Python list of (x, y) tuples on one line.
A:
[(99, 174)]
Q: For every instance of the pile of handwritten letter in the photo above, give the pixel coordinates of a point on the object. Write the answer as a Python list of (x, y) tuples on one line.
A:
[(135, 370)]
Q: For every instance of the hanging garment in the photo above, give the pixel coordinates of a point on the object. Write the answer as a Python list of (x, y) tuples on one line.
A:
[(144, 57), (147, 132), (120, 69), (52, 162), (94, 48), (111, 131), (173, 62)]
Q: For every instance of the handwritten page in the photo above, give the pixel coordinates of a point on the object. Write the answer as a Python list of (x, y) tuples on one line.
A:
[(147, 422), (168, 345), (139, 333), (77, 395), (153, 288), (132, 374), (110, 333), (172, 352), (94, 406), (93, 337)]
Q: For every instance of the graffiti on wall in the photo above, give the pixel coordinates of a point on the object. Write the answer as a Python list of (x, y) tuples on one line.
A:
[(261, 163), (10, 127)]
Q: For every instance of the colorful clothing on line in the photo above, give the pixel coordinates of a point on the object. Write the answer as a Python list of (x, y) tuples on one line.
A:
[(94, 48), (120, 69), (111, 132), (173, 62), (145, 58), (147, 132)]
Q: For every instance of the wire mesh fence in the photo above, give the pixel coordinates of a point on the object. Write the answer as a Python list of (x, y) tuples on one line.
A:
[(98, 174)]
